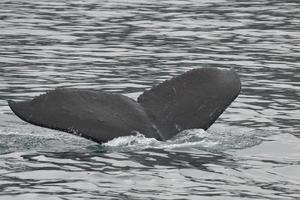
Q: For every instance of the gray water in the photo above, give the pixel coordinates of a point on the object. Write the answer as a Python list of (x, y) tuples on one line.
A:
[(251, 152)]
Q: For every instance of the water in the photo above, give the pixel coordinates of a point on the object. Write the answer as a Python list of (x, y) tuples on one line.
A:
[(252, 151)]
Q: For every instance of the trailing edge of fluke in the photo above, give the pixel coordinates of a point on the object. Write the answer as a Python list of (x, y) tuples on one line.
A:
[(194, 99)]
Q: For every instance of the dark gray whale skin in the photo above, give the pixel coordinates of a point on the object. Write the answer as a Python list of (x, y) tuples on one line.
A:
[(194, 99), (98, 116)]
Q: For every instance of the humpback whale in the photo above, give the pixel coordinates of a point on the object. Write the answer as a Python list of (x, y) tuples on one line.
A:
[(194, 99)]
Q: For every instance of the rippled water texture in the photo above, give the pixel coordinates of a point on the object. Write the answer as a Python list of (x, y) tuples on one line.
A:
[(253, 150)]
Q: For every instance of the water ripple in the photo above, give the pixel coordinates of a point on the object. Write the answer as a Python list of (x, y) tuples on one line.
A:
[(127, 47)]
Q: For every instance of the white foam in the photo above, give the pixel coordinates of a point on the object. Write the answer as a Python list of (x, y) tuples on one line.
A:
[(193, 138)]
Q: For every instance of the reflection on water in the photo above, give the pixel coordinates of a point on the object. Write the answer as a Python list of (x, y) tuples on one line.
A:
[(127, 47)]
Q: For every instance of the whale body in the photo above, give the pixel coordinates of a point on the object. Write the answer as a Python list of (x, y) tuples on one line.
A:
[(194, 99)]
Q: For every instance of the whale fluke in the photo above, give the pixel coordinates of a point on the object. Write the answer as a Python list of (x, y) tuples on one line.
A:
[(194, 99), (98, 116)]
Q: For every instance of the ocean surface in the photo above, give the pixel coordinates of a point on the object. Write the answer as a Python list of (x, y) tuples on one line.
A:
[(126, 47)]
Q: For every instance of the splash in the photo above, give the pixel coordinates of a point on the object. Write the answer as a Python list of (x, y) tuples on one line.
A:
[(193, 138), (216, 140), (130, 143)]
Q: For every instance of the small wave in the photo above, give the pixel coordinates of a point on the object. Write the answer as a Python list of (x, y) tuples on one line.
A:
[(212, 141), (192, 138), (48, 141), (129, 143)]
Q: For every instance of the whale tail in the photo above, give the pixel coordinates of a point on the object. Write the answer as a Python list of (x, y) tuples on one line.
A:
[(194, 99), (98, 116)]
